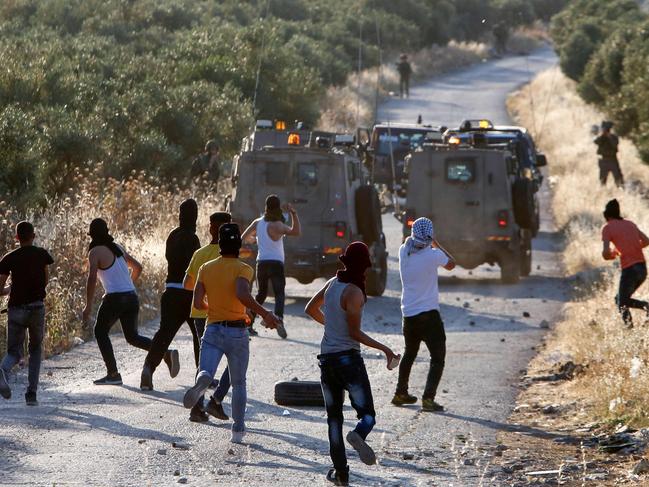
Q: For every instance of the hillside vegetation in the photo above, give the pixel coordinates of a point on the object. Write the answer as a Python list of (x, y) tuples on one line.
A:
[(604, 46), (142, 84)]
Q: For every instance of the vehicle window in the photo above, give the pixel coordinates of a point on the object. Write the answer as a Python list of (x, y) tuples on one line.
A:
[(307, 174), (399, 140), (460, 171), (276, 173), (352, 171)]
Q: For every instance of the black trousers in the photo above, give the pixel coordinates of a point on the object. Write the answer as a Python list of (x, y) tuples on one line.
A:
[(612, 166), (425, 327), (273, 271), (631, 279), (175, 308), (125, 308)]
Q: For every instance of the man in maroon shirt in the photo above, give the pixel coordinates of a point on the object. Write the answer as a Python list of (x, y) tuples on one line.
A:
[(628, 243)]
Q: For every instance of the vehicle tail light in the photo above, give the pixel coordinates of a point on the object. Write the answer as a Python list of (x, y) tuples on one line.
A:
[(503, 218), (410, 218), (341, 229)]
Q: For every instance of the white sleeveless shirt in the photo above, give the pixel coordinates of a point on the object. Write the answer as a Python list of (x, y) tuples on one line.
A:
[(267, 248), (116, 278)]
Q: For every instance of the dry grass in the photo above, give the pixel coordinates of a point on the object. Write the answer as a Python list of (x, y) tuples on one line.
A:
[(616, 383), (140, 214), (344, 109)]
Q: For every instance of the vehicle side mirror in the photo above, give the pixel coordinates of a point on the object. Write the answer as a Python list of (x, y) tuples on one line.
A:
[(541, 160)]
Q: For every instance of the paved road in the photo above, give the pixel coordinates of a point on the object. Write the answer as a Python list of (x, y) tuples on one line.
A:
[(85, 435)]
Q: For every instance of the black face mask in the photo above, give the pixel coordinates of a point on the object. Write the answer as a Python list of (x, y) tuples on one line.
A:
[(105, 239)]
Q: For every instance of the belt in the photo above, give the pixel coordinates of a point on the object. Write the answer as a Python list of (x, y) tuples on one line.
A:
[(231, 324), (174, 285), (345, 353)]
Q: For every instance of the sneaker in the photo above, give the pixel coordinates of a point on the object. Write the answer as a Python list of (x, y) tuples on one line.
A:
[(30, 398), (338, 478), (172, 360), (237, 436), (5, 390), (401, 399), (281, 331), (252, 332), (109, 380), (197, 415), (146, 379), (216, 409), (196, 391), (431, 405), (365, 452)]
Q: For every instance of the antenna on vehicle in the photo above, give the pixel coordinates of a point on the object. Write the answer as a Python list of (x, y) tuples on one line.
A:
[(360, 66), (378, 71), (261, 57)]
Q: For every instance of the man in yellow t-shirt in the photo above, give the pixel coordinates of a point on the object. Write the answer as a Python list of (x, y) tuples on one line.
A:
[(209, 252), (223, 288)]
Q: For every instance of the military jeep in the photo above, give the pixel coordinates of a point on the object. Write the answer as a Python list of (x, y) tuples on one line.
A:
[(467, 192), (322, 176)]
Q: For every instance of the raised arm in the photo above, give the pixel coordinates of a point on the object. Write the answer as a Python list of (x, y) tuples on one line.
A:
[(353, 302), (250, 233), (314, 306), (295, 230), (134, 265), (450, 265)]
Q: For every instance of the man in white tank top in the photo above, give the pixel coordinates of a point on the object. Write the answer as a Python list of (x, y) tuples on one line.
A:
[(117, 271), (270, 231)]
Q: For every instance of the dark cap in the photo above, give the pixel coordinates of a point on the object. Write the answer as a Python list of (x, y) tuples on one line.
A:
[(607, 125), (272, 202), (98, 227), (220, 217), (229, 238), (356, 256)]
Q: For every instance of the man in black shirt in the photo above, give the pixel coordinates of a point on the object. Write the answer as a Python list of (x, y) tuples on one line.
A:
[(607, 143), (176, 301), (27, 266)]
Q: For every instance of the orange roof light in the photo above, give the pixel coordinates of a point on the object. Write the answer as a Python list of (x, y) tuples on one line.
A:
[(293, 139), (280, 125), (454, 140)]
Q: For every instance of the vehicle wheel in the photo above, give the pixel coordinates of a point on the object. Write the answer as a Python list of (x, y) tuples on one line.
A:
[(368, 213), (526, 255), (523, 199), (377, 277), (299, 393), (510, 266)]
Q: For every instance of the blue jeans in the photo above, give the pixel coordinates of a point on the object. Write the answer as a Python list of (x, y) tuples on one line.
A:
[(340, 372), (217, 341), (224, 382), (29, 317), (631, 279)]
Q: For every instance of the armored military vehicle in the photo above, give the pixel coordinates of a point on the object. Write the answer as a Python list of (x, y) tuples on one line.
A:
[(322, 175), (468, 193)]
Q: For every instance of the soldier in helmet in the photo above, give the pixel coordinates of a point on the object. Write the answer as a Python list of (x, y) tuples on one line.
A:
[(207, 164), (405, 70), (607, 143)]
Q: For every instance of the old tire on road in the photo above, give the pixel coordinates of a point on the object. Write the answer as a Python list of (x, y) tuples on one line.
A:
[(299, 393)]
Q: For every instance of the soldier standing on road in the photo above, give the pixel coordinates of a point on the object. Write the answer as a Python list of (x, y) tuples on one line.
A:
[(27, 267), (203, 255), (405, 70), (270, 231), (419, 258), (607, 146), (117, 271), (339, 307), (207, 164), (629, 242), (176, 301), (225, 284)]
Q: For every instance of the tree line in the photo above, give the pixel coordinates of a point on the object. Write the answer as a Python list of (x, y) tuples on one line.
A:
[(142, 84)]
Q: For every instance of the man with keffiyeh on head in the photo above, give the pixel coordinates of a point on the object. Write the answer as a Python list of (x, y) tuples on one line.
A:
[(338, 306), (419, 258)]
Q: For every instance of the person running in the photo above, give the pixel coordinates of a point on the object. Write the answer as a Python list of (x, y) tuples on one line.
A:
[(339, 307), (629, 242), (27, 266), (225, 284), (419, 258), (607, 146), (176, 301), (270, 231), (198, 414), (117, 271), (405, 71)]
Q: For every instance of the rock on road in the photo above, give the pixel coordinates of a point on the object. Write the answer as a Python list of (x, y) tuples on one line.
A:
[(87, 435)]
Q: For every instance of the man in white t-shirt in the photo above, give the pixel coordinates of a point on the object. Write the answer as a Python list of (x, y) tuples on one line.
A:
[(419, 258)]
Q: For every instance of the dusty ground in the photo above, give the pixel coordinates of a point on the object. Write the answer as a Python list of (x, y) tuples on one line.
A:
[(85, 435)]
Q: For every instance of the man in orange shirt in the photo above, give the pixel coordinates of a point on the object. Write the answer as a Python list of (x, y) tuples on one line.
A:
[(629, 242)]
